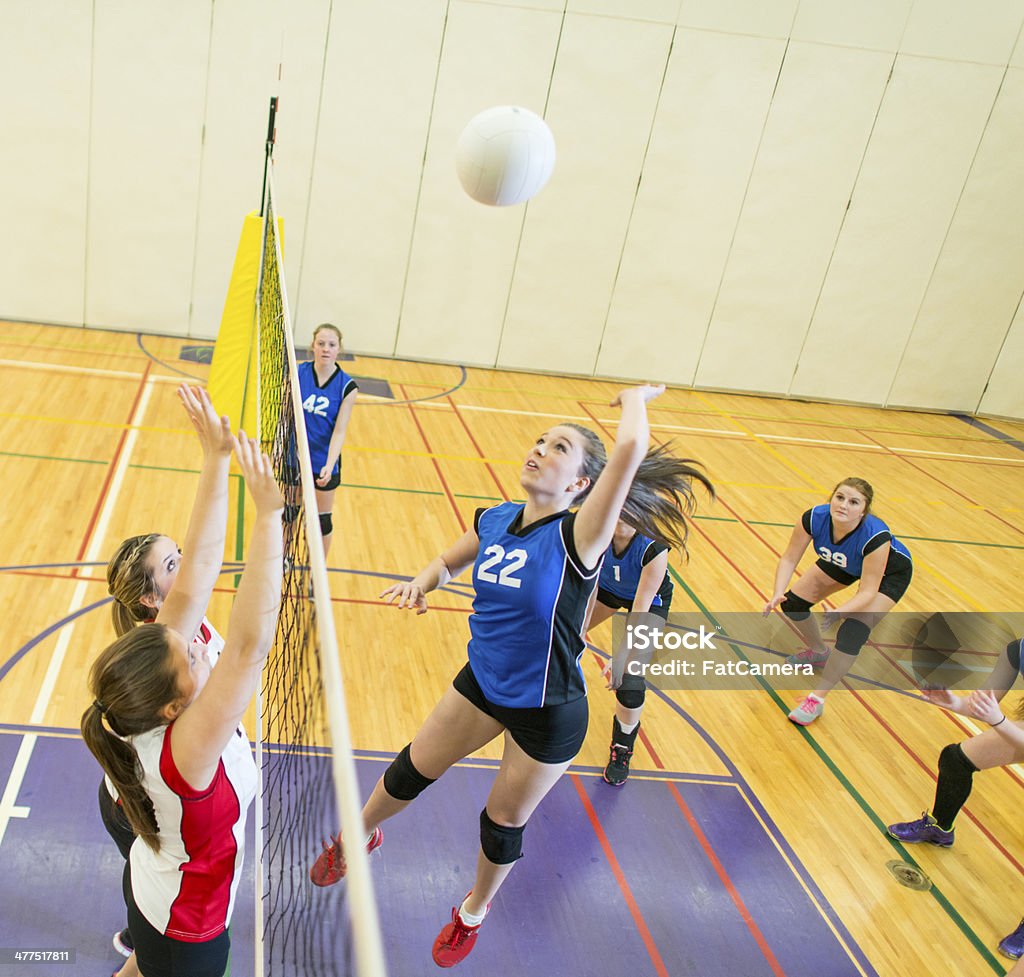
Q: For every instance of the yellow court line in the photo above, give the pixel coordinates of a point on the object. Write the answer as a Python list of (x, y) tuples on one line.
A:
[(778, 456)]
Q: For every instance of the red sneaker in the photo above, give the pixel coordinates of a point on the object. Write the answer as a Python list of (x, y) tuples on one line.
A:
[(456, 939), (330, 865)]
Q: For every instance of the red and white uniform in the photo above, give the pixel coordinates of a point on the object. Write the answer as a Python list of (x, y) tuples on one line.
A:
[(187, 889)]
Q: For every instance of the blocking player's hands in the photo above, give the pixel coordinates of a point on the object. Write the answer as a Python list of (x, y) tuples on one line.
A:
[(259, 475), (408, 594), (942, 698), (214, 432), (982, 704)]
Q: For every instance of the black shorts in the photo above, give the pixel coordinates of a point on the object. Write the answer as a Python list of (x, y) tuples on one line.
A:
[(160, 956), (609, 599), (115, 821), (547, 734), (291, 476), (895, 580)]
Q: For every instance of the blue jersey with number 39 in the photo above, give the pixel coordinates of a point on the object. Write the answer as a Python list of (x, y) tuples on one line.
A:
[(532, 594), (848, 552), (321, 404)]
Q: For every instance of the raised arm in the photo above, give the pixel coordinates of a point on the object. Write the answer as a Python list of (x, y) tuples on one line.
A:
[(337, 437), (436, 573), (205, 727), (203, 546), (596, 519), (798, 543)]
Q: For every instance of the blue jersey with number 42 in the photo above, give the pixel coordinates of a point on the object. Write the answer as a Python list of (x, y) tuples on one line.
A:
[(532, 593), (321, 404)]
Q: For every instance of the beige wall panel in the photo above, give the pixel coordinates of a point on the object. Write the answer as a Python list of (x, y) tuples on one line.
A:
[(920, 153), (710, 118), (44, 74), (602, 107), (245, 50), (662, 11), (1005, 393), (960, 31), (874, 24), (979, 277), (144, 162), (1017, 59), (764, 18), (381, 65), (463, 252), (819, 123)]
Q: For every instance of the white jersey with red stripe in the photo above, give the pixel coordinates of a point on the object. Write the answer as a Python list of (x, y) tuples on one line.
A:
[(187, 889)]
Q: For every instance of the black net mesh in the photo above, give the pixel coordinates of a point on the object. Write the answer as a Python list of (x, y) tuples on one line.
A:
[(305, 929)]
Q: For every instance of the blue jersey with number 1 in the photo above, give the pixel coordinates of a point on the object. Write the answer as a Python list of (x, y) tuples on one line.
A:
[(848, 552), (532, 595), (321, 404)]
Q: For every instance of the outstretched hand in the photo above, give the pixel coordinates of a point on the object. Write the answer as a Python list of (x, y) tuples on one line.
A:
[(646, 392), (982, 704), (408, 595), (259, 475), (214, 432), (940, 697)]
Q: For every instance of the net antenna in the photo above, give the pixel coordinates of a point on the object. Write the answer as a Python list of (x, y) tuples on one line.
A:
[(309, 783)]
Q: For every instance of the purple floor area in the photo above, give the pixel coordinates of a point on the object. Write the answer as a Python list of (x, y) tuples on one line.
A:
[(622, 885)]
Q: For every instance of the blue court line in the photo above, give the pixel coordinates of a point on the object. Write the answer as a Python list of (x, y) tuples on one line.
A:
[(991, 431)]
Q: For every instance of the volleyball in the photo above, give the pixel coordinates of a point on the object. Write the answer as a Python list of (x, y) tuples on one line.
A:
[(505, 155)]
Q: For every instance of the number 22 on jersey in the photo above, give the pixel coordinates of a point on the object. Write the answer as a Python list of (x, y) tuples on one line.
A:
[(513, 560)]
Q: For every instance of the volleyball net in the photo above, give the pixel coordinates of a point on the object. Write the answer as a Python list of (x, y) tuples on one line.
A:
[(309, 788)]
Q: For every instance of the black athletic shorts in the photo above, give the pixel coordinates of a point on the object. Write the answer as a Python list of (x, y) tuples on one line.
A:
[(895, 580), (609, 599), (548, 734), (160, 956), (290, 476)]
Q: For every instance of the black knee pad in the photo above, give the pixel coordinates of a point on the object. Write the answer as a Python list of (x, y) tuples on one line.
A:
[(326, 524), (291, 512), (402, 780), (501, 845), (953, 760), (851, 636), (795, 608), (632, 692)]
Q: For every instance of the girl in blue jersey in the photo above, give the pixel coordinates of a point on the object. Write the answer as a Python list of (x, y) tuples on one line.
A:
[(634, 576), (535, 568), (999, 746), (852, 546), (328, 396)]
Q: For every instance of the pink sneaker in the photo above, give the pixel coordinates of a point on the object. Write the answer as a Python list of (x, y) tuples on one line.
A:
[(330, 865), (456, 939), (808, 657), (808, 710)]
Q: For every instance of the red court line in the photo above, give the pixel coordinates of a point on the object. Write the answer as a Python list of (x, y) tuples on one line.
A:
[(111, 468), (437, 467), (620, 878), (755, 930), (935, 478), (483, 458)]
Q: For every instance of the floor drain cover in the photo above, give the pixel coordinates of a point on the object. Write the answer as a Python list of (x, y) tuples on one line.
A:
[(908, 875)]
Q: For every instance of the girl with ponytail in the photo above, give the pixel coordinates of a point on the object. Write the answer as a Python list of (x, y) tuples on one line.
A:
[(535, 569)]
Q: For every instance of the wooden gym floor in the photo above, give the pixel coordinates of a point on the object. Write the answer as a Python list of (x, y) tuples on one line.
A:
[(95, 448)]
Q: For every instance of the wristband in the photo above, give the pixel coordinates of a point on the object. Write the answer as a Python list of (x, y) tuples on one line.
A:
[(1001, 721)]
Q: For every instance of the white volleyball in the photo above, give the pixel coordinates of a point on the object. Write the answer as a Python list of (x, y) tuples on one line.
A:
[(505, 155)]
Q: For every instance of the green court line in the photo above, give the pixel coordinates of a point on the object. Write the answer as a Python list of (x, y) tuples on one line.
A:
[(81, 461), (833, 768)]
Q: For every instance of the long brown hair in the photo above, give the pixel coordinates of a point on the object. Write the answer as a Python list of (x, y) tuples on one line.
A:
[(129, 579), (661, 499), (131, 682)]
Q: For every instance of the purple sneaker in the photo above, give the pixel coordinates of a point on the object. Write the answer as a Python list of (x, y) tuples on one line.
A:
[(1012, 946), (924, 829)]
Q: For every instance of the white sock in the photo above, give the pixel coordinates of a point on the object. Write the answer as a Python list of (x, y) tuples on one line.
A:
[(468, 918), (628, 728)]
